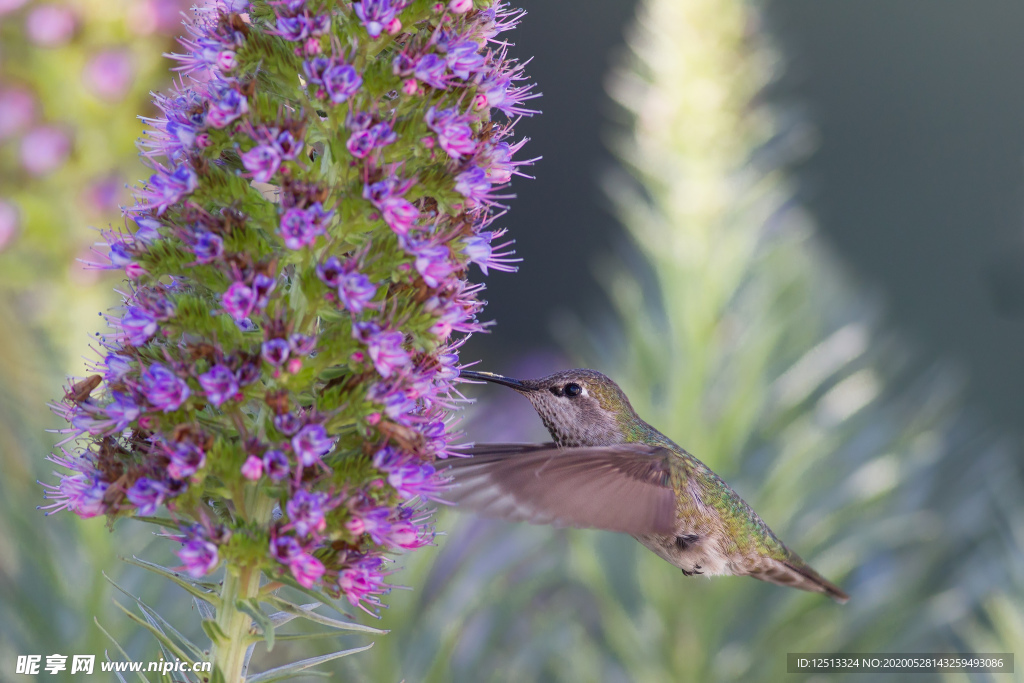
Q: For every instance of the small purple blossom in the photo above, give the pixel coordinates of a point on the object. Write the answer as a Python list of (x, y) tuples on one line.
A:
[(139, 325), (81, 493), (481, 252), (147, 495), (301, 227), (363, 582), (275, 463), (474, 184), (432, 70), (275, 351), (163, 389), (386, 351), (226, 105), (306, 512), (262, 162), (454, 133), (184, 459), (341, 82), (219, 383), (168, 186), (199, 556), (355, 291), (434, 263), (207, 247), (464, 58), (311, 443), (330, 271), (288, 423), (378, 15), (239, 300)]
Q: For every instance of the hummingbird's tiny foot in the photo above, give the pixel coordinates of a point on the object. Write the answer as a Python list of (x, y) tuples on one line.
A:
[(697, 569)]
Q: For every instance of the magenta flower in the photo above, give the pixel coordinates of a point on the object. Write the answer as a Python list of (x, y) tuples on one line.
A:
[(363, 582), (385, 349), (252, 468), (306, 569), (163, 389), (81, 493)]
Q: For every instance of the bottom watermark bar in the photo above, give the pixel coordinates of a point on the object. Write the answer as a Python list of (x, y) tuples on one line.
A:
[(898, 662)]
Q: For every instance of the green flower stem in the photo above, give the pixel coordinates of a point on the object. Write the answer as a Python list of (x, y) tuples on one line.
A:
[(241, 583)]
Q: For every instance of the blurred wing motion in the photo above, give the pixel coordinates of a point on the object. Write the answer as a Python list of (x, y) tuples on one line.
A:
[(626, 487)]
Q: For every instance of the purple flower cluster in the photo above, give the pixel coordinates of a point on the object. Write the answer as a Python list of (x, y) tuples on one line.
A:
[(298, 266)]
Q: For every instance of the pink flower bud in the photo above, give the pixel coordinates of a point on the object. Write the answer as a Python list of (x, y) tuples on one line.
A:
[(253, 468), (460, 6)]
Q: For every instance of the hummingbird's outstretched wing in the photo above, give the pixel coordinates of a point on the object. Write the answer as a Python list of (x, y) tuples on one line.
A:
[(624, 488)]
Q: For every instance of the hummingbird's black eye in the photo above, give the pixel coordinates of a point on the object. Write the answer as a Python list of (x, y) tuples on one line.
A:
[(572, 389)]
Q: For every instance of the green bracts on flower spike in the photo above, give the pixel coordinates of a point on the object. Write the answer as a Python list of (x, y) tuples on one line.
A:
[(325, 174)]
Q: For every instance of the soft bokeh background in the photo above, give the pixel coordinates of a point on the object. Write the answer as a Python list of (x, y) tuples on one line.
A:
[(791, 231)]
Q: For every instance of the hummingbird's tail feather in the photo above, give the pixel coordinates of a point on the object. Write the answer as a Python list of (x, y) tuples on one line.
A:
[(796, 574)]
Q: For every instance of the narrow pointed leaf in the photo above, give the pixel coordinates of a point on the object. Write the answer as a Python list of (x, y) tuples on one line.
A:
[(158, 621), (289, 670), (309, 614), (213, 631), (119, 649), (199, 589), (157, 633), (204, 608)]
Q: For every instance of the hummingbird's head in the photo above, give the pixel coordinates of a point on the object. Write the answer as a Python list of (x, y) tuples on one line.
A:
[(578, 407)]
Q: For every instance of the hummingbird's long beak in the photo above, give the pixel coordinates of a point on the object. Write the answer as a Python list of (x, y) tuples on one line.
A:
[(497, 379)]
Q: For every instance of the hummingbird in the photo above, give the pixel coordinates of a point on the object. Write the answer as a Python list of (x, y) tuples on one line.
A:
[(608, 469)]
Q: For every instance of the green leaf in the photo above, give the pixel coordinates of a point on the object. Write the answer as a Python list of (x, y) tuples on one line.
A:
[(309, 614), (213, 631), (252, 608), (289, 670)]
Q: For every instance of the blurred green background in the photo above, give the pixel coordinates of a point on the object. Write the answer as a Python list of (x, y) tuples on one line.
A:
[(671, 240)]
